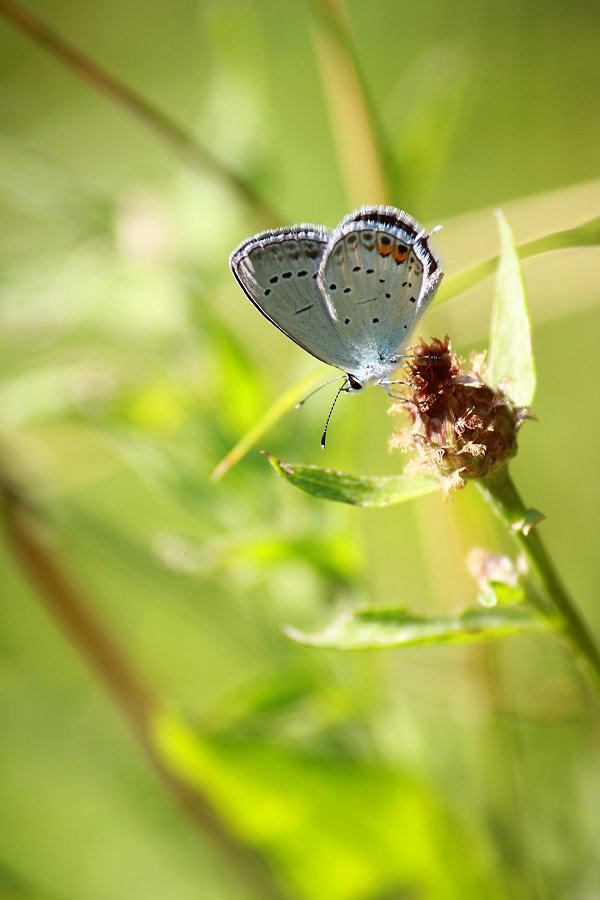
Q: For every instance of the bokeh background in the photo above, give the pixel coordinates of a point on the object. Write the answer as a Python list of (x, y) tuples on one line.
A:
[(130, 363)]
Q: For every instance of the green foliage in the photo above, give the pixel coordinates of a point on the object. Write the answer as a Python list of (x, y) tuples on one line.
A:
[(288, 804)]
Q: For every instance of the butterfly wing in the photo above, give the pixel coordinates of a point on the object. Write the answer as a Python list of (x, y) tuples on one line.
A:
[(277, 270), (378, 275)]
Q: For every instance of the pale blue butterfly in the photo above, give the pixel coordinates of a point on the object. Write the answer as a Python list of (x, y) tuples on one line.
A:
[(350, 297)]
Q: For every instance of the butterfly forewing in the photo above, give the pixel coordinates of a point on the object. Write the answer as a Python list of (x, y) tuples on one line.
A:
[(278, 272)]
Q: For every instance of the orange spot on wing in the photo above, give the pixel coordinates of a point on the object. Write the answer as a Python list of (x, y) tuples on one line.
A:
[(400, 254)]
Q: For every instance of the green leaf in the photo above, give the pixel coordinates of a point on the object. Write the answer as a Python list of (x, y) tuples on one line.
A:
[(511, 356), (372, 629), (357, 490)]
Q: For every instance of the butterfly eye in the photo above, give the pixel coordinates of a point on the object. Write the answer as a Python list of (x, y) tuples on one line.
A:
[(354, 384)]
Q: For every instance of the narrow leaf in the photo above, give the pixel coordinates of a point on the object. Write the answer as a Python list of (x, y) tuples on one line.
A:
[(372, 629), (511, 362), (357, 490)]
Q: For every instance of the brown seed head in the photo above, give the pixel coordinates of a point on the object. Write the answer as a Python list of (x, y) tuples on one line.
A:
[(460, 426)]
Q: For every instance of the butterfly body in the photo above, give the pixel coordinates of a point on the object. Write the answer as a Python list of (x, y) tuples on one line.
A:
[(350, 297)]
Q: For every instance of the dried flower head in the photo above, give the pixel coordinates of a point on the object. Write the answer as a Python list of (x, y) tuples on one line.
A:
[(459, 425)]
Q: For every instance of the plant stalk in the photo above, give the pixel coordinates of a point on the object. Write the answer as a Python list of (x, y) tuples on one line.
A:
[(500, 491)]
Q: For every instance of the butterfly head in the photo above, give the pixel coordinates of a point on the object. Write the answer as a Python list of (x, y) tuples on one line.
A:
[(354, 385)]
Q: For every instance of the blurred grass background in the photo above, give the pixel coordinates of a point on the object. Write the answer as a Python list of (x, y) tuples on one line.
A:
[(130, 363)]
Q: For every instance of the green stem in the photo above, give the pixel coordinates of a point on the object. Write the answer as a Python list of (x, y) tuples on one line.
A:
[(501, 492)]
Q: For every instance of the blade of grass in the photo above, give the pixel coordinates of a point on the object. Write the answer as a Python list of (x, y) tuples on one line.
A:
[(585, 235), (283, 404), (180, 140)]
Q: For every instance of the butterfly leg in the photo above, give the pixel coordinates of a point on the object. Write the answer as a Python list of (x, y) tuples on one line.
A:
[(393, 394), (390, 393)]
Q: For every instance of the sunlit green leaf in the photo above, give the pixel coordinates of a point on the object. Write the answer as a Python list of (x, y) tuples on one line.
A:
[(357, 490), (370, 629), (511, 363)]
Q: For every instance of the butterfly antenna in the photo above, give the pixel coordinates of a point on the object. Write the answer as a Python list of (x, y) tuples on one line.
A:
[(324, 436), (325, 383)]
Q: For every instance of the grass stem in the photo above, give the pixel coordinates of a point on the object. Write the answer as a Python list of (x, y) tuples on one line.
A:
[(180, 140)]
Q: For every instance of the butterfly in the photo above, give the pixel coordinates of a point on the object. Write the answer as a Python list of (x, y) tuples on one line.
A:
[(350, 297)]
